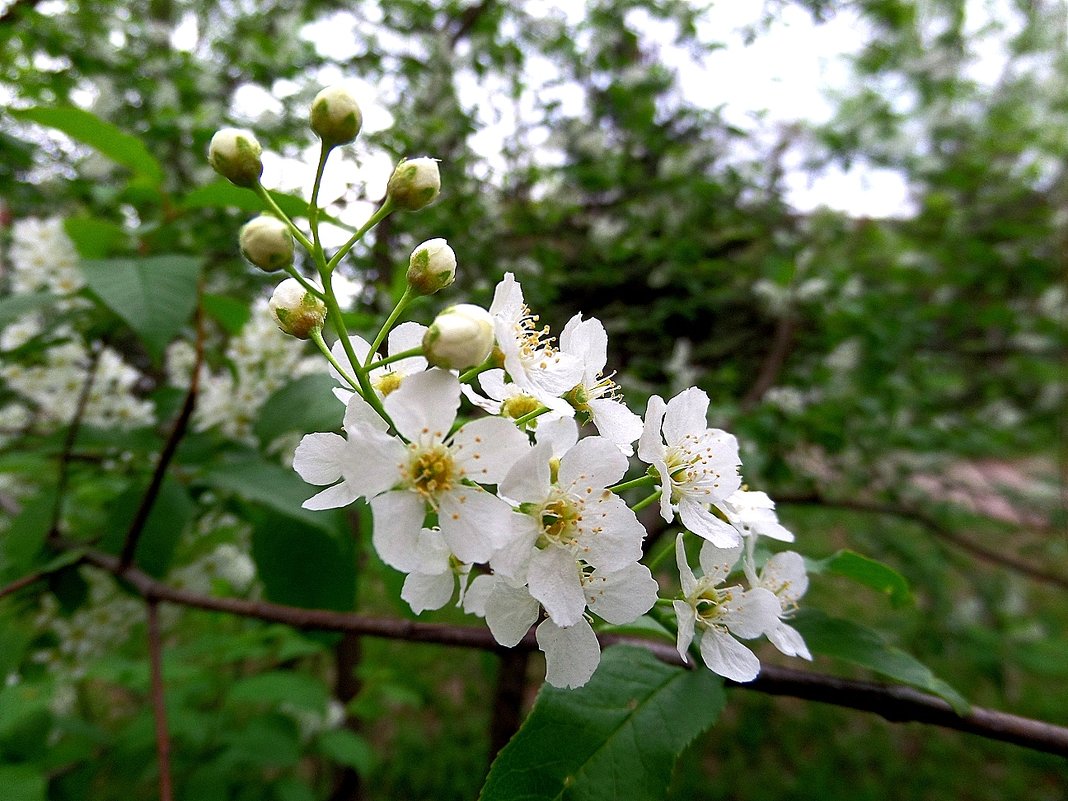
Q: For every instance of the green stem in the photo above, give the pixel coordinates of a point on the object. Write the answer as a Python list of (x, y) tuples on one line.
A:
[(641, 481), (470, 375), (317, 337), (304, 282), (526, 418), (405, 299), (396, 357), (667, 548), (265, 196), (313, 204), (376, 218), (646, 501)]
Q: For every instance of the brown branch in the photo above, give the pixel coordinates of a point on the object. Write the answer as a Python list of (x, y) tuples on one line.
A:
[(19, 583), (65, 455), (159, 709), (895, 703), (775, 360), (508, 698), (181, 424), (936, 527)]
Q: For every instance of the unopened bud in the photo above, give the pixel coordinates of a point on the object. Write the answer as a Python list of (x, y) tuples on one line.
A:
[(235, 154), (296, 310), (335, 116), (432, 267), (267, 243), (414, 184), (460, 337)]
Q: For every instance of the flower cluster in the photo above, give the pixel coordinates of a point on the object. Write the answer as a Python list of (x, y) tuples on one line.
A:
[(465, 438)]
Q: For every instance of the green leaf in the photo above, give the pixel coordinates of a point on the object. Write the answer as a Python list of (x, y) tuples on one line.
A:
[(231, 314), (23, 541), (94, 238), (851, 642), (868, 572), (617, 737), (279, 687), (304, 405), (102, 136), (347, 748), (170, 514), (223, 194), (14, 307), (303, 565), (22, 783), (155, 296)]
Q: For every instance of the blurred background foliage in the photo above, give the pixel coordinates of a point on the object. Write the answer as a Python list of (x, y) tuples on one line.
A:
[(897, 383)]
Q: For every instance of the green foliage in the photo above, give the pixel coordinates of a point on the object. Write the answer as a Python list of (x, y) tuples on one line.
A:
[(868, 572), (304, 405)]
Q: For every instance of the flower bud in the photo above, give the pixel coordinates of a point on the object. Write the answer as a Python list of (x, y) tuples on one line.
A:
[(432, 267), (235, 154), (414, 184), (335, 116), (460, 337), (267, 243), (296, 310)]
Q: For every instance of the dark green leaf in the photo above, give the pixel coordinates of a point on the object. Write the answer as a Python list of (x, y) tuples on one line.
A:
[(347, 748), (231, 314), (94, 238), (155, 296), (22, 783), (223, 194), (14, 307), (23, 541), (303, 565), (279, 687), (868, 572), (102, 136), (304, 405), (171, 512), (617, 737), (861, 646)]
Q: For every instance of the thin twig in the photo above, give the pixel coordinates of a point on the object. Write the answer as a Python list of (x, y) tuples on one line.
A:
[(895, 703), (63, 468), (19, 583), (159, 708), (774, 361), (181, 424)]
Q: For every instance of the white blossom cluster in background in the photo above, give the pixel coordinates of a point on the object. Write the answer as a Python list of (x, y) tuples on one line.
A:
[(42, 257), (259, 361), (509, 508)]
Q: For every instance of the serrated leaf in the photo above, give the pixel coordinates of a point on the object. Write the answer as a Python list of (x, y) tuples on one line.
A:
[(851, 642), (869, 572), (277, 687), (104, 137), (155, 296), (617, 737), (303, 565), (94, 238), (14, 307), (304, 405)]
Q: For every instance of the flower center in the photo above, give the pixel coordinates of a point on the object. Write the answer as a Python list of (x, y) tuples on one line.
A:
[(388, 382), (432, 471), (558, 523), (519, 405)]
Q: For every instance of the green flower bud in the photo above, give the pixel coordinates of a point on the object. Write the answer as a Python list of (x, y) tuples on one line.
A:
[(432, 267), (460, 337), (267, 243), (414, 184), (296, 310), (335, 116), (235, 154)]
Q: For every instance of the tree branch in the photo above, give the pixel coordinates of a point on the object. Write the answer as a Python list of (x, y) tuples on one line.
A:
[(159, 709), (181, 424), (65, 454), (895, 703), (774, 361)]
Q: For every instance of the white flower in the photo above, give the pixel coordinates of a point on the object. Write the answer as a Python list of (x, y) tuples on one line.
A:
[(753, 514), (721, 613), (388, 377), (431, 584), (432, 471), (784, 576), (530, 359), (596, 393), (461, 336), (508, 399), (698, 465)]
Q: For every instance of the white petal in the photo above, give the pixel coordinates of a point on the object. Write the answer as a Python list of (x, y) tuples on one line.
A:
[(423, 592), (478, 594), (492, 383), (513, 559), (373, 460), (571, 654), (425, 405), (405, 337), (784, 574), (507, 299), (398, 518), (651, 444), (528, 481), (749, 614), (554, 375), (510, 612), (318, 458), (789, 641), (587, 340), (487, 449), (686, 414), (432, 551), (716, 563), (554, 579), (359, 345), (622, 596), (616, 422), (698, 519), (666, 512), (491, 406), (357, 411), (727, 657), (593, 462), (343, 395), (609, 533), (332, 498), (474, 523), (686, 576), (560, 434), (685, 617)]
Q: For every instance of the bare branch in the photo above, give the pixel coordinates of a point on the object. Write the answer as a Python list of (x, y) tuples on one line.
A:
[(895, 703), (774, 361), (65, 454), (159, 708)]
